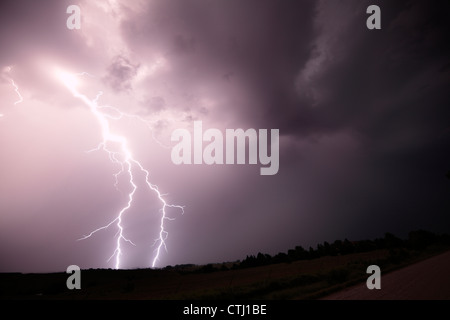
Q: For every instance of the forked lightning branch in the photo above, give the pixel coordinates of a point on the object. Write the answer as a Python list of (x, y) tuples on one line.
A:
[(129, 166), (206, 147)]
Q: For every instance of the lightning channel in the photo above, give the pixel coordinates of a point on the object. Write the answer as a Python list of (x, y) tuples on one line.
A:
[(128, 165), (7, 70), (16, 88)]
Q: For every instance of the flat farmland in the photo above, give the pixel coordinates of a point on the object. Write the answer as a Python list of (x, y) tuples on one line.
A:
[(304, 279)]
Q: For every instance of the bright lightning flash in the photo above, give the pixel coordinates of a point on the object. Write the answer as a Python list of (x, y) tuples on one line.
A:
[(16, 88), (7, 70), (127, 163)]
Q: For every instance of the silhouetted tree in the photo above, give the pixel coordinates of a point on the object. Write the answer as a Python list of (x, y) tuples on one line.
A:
[(207, 268), (249, 261), (365, 246), (328, 249), (420, 239), (417, 239), (347, 247), (263, 259), (320, 251), (280, 257), (301, 253), (337, 247), (391, 241), (312, 254)]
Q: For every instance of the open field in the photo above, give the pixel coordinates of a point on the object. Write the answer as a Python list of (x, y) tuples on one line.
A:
[(304, 279), (425, 280)]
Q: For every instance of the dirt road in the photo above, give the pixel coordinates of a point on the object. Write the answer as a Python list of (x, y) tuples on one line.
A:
[(425, 280)]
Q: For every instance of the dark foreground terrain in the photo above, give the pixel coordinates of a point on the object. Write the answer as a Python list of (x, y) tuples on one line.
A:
[(425, 280), (304, 279)]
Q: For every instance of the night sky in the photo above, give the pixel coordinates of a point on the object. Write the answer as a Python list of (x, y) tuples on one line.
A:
[(363, 117)]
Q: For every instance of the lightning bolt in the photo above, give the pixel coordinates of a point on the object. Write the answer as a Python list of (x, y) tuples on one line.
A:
[(7, 70), (127, 163), (16, 88)]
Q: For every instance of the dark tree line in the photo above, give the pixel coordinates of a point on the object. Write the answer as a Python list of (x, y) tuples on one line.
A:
[(417, 240)]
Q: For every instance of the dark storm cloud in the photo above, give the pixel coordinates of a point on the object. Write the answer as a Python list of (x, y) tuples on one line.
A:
[(312, 67), (120, 73), (154, 104), (35, 28), (363, 77), (254, 46), (386, 78), (366, 81)]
